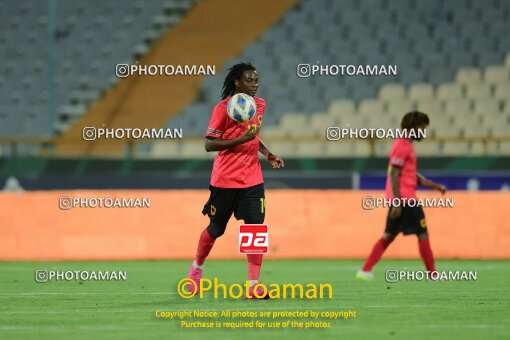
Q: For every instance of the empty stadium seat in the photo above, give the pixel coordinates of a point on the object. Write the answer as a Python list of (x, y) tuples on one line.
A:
[(428, 148), (421, 91), (442, 131), (486, 106), (340, 107), (312, 149), (468, 76), (382, 148), (430, 107), (459, 107), (194, 149), (496, 75), (452, 149), (472, 130), (339, 149), (449, 91), (320, 121), (504, 148), (476, 148), (372, 107), (284, 149), (478, 91), (507, 61), (502, 91), (399, 108), (392, 92), (166, 150), (500, 130)]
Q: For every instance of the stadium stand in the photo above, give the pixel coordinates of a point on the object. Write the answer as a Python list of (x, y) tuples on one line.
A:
[(432, 25), (90, 39), (147, 102), (452, 58), (451, 63)]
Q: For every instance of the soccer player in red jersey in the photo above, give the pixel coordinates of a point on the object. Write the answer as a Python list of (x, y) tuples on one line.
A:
[(237, 186), (401, 183)]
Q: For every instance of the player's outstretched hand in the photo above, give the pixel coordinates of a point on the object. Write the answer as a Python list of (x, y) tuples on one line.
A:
[(249, 134), (275, 161), (441, 188)]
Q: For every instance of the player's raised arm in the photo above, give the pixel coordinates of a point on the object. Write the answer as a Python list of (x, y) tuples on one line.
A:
[(430, 184), (273, 159)]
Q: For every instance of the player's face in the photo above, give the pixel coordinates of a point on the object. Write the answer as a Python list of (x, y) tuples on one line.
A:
[(249, 83)]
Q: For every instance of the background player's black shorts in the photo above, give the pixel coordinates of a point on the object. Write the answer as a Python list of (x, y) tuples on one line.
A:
[(246, 204), (411, 221)]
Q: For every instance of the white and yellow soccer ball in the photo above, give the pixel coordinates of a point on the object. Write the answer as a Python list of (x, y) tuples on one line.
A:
[(241, 107)]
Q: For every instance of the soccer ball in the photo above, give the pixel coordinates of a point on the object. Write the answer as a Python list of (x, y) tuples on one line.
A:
[(241, 107)]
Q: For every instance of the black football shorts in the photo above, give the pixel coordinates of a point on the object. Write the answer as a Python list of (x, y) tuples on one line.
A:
[(411, 221), (248, 204)]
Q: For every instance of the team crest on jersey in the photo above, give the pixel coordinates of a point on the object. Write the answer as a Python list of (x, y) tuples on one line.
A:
[(212, 210), (423, 223)]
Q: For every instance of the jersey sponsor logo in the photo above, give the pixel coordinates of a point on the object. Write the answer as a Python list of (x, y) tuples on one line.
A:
[(253, 239)]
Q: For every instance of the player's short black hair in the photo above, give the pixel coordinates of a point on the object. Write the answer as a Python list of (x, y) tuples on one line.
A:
[(413, 119), (234, 73)]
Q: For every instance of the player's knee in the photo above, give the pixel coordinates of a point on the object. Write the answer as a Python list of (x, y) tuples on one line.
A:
[(423, 236), (389, 237), (216, 230)]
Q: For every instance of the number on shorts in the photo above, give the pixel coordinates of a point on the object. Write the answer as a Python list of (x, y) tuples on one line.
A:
[(262, 204)]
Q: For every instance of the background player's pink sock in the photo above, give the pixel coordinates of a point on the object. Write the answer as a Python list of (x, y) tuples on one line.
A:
[(254, 264), (205, 245), (426, 255), (374, 257)]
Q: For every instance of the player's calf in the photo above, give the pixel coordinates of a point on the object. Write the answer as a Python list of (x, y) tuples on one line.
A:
[(426, 252)]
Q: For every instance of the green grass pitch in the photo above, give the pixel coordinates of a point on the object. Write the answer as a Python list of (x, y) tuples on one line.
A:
[(126, 309)]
